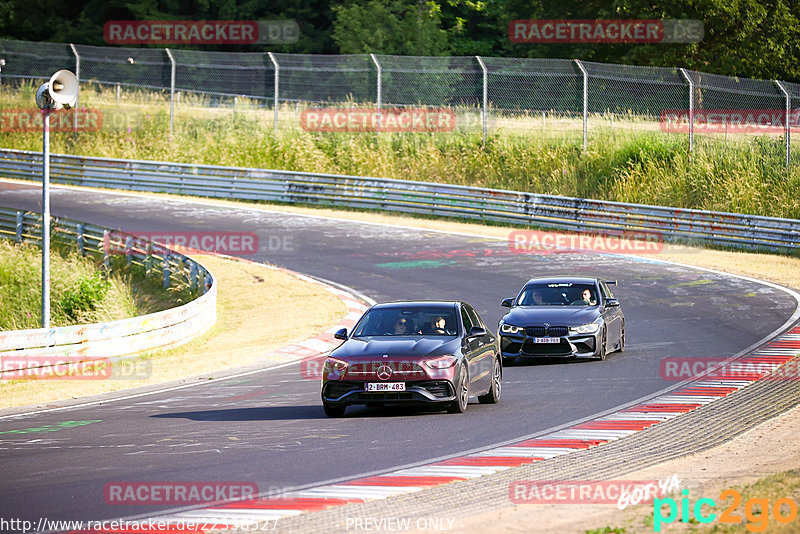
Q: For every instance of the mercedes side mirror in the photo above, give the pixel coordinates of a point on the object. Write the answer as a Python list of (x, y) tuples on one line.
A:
[(476, 331), (341, 334)]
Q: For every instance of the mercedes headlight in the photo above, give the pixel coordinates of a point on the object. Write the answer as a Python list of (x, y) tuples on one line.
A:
[(443, 362), (335, 365)]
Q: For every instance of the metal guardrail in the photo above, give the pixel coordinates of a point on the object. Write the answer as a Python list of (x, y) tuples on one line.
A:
[(443, 200), (111, 340)]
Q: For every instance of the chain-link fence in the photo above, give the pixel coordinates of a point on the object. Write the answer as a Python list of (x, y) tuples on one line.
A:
[(561, 98)]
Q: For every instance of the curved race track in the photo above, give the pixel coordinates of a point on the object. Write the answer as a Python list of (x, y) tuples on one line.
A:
[(269, 427)]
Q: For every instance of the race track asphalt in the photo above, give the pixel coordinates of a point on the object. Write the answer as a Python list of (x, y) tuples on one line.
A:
[(269, 428)]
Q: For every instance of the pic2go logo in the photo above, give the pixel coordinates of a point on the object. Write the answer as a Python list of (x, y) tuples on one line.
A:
[(756, 511)]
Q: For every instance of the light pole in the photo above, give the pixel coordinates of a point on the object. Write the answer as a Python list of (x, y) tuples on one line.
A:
[(60, 91)]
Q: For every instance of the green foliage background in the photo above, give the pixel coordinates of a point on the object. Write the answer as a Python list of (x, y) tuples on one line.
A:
[(746, 38)]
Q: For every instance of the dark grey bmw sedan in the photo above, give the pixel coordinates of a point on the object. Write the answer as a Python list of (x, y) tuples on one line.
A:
[(564, 316)]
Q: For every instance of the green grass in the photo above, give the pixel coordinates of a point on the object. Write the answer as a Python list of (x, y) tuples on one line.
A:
[(79, 291), (634, 162)]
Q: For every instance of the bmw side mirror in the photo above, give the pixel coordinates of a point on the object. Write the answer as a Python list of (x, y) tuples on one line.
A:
[(476, 331), (612, 303), (341, 334), (507, 303)]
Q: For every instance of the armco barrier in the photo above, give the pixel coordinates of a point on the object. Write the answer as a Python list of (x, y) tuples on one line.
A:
[(443, 200), (114, 339)]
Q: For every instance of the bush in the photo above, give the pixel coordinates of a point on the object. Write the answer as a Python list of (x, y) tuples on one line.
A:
[(85, 296)]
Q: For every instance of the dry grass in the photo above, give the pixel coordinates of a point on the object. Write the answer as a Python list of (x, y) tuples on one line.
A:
[(107, 298), (252, 321)]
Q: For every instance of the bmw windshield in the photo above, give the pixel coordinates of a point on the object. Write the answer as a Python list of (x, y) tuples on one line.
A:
[(558, 294)]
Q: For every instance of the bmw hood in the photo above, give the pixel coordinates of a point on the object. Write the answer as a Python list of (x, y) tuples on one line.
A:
[(555, 315), (376, 347)]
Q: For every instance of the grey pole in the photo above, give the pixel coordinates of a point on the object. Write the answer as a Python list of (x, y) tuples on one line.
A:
[(171, 92), (787, 121), (77, 75), (484, 115), (585, 101), (378, 65), (276, 89), (46, 220), (691, 110)]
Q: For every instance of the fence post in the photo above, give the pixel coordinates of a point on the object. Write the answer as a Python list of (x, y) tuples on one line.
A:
[(691, 110), (106, 249), (171, 92), (81, 240), (787, 122), (78, 76), (193, 274), (201, 290), (276, 88), (165, 269), (484, 115), (129, 250), (148, 257), (585, 100), (20, 219), (380, 72)]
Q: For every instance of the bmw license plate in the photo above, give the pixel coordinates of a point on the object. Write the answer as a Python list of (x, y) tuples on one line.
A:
[(385, 386), (547, 340)]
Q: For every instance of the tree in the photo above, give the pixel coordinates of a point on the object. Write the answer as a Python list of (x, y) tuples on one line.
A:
[(389, 27)]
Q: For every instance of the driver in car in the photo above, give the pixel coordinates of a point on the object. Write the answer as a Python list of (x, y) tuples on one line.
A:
[(438, 325), (587, 299)]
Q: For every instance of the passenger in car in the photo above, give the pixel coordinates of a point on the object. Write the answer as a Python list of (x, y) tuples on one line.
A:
[(401, 327), (536, 295)]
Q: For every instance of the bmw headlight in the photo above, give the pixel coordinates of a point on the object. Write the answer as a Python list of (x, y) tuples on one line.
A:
[(590, 328), (510, 328)]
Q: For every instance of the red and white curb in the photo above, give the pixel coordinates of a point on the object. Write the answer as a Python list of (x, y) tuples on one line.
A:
[(755, 366)]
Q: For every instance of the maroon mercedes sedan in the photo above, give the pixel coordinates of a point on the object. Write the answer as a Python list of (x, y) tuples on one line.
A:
[(413, 353)]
